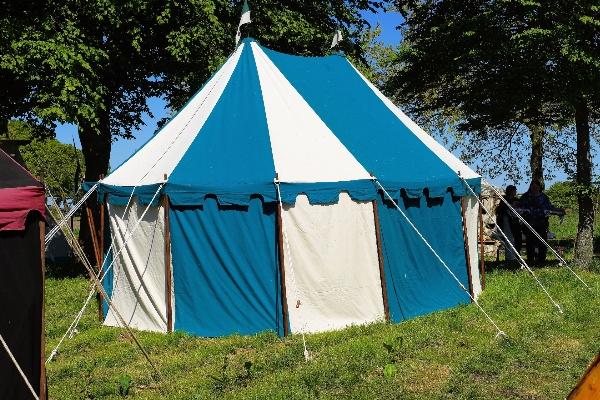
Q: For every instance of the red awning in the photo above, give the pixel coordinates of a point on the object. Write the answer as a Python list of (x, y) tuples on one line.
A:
[(16, 203)]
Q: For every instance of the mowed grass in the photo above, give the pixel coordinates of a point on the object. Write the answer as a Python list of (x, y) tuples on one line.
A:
[(451, 354)]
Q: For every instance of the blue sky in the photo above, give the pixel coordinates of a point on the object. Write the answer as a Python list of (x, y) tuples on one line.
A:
[(122, 149)]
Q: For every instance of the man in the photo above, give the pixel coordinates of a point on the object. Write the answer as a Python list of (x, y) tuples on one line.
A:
[(538, 206)]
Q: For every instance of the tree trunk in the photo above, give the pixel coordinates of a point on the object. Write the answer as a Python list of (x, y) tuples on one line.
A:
[(584, 245), (536, 134), (95, 146)]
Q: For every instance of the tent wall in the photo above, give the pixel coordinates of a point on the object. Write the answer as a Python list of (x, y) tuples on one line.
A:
[(225, 268), (417, 282), (21, 302), (336, 269), (225, 264), (138, 280)]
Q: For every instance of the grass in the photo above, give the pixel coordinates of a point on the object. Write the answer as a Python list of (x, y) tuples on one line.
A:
[(451, 354)]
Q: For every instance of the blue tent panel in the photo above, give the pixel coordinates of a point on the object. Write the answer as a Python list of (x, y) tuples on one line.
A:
[(225, 270), (233, 145), (417, 282), (346, 106)]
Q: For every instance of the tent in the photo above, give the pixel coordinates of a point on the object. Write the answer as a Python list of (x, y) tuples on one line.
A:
[(22, 224), (57, 249), (259, 206)]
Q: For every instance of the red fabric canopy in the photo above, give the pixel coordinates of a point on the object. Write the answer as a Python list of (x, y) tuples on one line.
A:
[(20, 193), (16, 203)]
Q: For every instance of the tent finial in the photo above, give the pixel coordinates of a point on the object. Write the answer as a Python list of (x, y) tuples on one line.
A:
[(244, 19), (337, 37)]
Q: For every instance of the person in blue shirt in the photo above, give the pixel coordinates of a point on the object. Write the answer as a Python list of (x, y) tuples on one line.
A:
[(538, 207)]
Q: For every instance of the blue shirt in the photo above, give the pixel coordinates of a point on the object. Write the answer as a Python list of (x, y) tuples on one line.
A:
[(537, 207)]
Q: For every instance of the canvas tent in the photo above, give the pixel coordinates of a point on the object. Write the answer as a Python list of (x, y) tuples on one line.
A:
[(223, 247), (57, 249), (22, 223)]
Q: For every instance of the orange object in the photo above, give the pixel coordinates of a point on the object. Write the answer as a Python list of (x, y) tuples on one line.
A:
[(588, 387)]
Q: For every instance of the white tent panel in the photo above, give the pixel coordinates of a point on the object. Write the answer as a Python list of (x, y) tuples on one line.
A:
[(304, 148), (139, 282), (162, 154), (335, 265), (472, 222)]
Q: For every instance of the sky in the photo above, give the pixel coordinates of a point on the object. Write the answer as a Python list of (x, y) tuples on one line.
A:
[(122, 149)]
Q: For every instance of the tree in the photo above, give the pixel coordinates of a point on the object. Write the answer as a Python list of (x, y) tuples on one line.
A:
[(291, 26), (376, 66), (507, 68), (95, 63), (61, 164)]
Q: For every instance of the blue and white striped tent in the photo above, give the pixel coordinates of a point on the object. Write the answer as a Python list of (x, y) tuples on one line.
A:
[(321, 128)]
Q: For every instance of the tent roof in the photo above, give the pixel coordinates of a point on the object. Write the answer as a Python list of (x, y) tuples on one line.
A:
[(316, 122), (13, 175), (20, 193)]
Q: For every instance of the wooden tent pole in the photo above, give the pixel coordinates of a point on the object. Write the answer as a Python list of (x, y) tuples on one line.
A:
[(101, 248), (94, 235), (42, 224), (282, 267), (481, 244), (386, 304), (168, 264), (466, 240)]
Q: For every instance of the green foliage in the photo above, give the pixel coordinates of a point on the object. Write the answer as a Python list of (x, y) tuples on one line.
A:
[(377, 64), (496, 72), (58, 162), (292, 26), (507, 69), (563, 194), (95, 64), (447, 354)]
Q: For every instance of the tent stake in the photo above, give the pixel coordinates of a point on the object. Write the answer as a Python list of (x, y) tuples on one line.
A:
[(386, 305), (466, 240), (282, 267), (168, 264)]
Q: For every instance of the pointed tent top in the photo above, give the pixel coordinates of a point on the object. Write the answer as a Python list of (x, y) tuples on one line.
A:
[(245, 9)]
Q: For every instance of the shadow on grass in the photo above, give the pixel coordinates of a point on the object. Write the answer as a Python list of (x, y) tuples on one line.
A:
[(67, 268)]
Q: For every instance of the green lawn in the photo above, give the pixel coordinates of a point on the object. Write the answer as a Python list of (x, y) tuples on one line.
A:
[(452, 354)]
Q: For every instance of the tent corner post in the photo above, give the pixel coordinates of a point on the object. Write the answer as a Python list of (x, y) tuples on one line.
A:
[(386, 305), (284, 309), (482, 245), (466, 245), (101, 250), (168, 270)]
